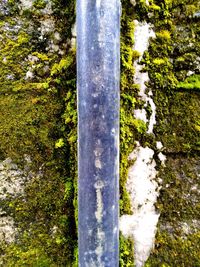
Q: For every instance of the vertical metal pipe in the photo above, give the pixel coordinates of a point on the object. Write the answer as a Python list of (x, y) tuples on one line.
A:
[(98, 73)]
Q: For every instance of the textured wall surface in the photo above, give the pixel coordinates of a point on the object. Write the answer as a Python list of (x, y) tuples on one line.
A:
[(160, 133), (38, 133), (170, 92)]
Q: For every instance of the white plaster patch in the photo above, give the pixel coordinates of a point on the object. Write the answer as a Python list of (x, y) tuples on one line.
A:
[(140, 183), (143, 32), (143, 191)]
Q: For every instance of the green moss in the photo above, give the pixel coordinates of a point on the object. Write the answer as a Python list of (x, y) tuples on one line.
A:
[(171, 55), (190, 83), (126, 252), (43, 230), (38, 118), (128, 127), (39, 4), (178, 116), (170, 251), (164, 34)]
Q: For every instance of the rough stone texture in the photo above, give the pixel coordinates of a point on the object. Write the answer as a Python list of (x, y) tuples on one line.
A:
[(172, 63), (37, 221)]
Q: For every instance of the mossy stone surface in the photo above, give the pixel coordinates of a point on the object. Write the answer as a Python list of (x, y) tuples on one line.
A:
[(38, 119)]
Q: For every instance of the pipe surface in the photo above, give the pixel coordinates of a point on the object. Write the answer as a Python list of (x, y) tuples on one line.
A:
[(98, 75)]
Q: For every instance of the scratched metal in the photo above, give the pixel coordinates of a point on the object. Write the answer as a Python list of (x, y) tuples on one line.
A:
[(98, 74)]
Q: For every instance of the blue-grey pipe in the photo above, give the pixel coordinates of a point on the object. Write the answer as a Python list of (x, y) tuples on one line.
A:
[(98, 75)]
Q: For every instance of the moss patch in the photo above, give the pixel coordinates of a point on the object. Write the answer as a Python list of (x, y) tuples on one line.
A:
[(171, 61), (38, 109)]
